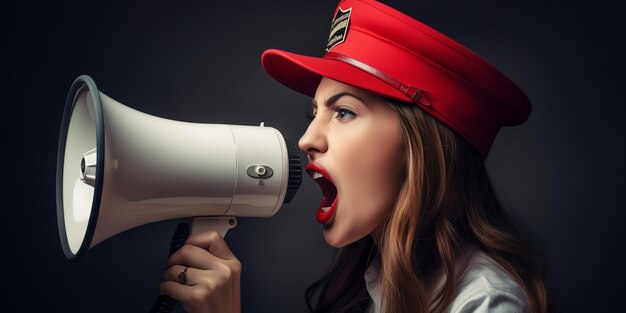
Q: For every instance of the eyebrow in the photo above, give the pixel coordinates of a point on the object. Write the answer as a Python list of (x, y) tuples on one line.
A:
[(330, 101)]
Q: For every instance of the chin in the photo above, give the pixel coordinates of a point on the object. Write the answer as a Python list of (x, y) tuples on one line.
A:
[(333, 242), (336, 239)]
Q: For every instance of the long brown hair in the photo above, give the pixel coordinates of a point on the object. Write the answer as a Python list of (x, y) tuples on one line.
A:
[(446, 202)]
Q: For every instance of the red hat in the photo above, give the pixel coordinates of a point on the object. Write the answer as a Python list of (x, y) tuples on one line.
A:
[(379, 49)]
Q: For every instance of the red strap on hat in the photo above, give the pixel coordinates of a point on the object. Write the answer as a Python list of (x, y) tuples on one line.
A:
[(415, 94)]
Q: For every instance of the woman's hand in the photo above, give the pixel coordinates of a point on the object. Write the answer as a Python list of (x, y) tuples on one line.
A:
[(212, 273)]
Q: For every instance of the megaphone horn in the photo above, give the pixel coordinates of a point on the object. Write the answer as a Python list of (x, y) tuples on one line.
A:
[(118, 168)]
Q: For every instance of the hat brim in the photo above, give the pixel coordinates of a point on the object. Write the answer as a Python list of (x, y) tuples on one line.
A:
[(304, 73)]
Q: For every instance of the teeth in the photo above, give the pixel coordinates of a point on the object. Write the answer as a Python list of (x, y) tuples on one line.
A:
[(325, 209), (317, 175)]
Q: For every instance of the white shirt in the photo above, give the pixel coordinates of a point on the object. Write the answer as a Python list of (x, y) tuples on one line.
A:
[(484, 287)]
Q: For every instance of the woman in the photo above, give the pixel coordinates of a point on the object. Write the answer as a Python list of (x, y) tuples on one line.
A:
[(403, 119)]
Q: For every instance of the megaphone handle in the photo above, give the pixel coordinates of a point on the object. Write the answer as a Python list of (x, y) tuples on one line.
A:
[(165, 304)]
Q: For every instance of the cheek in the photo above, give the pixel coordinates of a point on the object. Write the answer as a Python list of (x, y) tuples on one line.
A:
[(372, 189), (372, 169), (369, 183)]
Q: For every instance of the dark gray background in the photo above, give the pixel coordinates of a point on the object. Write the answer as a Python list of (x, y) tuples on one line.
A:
[(562, 171)]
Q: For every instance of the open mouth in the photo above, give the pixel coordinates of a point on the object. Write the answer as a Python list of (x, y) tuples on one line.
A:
[(326, 211)]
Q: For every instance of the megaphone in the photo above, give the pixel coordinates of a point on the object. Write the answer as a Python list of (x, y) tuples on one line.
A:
[(119, 168)]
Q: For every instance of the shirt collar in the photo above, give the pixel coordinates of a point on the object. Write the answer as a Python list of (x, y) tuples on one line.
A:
[(372, 283)]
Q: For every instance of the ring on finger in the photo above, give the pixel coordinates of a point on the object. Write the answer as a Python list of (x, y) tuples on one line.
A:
[(182, 276)]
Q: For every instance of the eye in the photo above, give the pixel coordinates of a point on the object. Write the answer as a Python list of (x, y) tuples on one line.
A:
[(344, 114)]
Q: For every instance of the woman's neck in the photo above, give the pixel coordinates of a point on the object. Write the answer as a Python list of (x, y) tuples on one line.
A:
[(377, 235)]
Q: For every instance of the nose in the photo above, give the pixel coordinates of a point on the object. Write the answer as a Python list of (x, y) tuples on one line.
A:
[(313, 141)]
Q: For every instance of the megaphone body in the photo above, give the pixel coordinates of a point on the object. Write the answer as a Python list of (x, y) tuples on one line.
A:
[(118, 168)]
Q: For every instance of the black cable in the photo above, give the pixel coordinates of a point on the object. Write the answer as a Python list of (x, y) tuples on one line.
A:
[(165, 304)]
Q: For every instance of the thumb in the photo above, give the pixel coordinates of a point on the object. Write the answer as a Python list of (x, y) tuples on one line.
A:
[(213, 242)]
